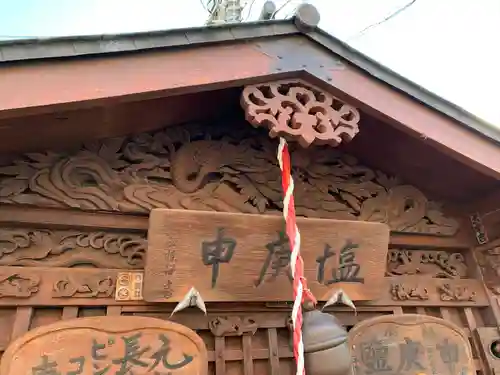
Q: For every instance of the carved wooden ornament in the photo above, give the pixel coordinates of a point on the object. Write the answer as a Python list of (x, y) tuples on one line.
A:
[(301, 112), (107, 345), (234, 263), (225, 168), (410, 344), (489, 261)]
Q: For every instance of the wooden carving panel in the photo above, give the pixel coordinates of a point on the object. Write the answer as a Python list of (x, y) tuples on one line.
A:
[(56, 286), (410, 344), (426, 291), (229, 168), (238, 257), (488, 258), (300, 111), (431, 263), (107, 345), (53, 286), (51, 248)]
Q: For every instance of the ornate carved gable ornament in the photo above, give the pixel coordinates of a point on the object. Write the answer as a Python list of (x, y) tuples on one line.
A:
[(298, 110), (229, 168)]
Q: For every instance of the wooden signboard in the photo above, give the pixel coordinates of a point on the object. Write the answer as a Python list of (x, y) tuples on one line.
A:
[(107, 345), (410, 344), (239, 257)]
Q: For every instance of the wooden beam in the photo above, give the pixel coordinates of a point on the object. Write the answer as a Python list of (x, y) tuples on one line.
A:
[(54, 286), (53, 85), (54, 218)]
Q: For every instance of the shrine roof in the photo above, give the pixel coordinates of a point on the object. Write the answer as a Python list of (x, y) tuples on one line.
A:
[(72, 47)]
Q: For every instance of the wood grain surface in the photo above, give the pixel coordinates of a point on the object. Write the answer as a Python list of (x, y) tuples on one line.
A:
[(111, 344), (251, 265), (410, 344)]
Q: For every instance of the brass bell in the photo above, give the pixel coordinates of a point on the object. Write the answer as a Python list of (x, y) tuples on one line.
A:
[(326, 351)]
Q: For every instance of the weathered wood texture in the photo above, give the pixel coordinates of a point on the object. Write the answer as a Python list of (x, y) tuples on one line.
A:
[(405, 343), (107, 344), (61, 263), (433, 173), (13, 216), (50, 286), (485, 211), (317, 118), (260, 345), (217, 169), (238, 257), (100, 80)]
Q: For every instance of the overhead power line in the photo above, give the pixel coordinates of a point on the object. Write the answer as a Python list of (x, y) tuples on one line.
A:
[(384, 20), (280, 8)]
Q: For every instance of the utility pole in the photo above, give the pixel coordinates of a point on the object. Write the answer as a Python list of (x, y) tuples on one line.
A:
[(233, 11), (224, 11)]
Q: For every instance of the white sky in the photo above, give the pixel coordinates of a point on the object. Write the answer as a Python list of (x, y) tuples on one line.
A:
[(451, 47)]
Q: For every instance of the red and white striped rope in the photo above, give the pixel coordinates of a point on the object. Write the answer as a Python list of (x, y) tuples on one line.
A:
[(300, 290)]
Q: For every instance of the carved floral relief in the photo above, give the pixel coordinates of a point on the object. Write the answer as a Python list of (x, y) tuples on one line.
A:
[(17, 285), (231, 169), (489, 262), (450, 293), (300, 111), (35, 247), (437, 264)]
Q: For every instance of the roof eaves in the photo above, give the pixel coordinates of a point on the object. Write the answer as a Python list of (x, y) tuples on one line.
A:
[(402, 84), (76, 46), (79, 46)]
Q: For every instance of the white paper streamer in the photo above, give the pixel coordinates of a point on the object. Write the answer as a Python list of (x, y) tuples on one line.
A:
[(191, 299), (339, 296)]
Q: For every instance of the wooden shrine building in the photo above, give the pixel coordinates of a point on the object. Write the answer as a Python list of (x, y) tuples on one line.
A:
[(96, 132)]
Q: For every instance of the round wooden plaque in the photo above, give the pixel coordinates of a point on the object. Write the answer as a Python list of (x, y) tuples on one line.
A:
[(410, 344), (107, 345)]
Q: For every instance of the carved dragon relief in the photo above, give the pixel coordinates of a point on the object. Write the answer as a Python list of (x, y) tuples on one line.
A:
[(34, 247), (232, 170)]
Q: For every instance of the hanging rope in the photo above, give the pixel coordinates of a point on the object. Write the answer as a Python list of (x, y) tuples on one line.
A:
[(300, 290)]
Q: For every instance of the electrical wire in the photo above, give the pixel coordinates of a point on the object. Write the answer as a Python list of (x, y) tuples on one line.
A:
[(280, 8), (204, 6), (249, 13), (292, 13), (384, 20)]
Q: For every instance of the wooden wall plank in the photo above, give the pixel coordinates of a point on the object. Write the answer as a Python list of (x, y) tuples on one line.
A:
[(7, 318), (62, 219), (247, 354), (220, 359), (398, 310), (274, 359), (22, 321), (70, 312), (445, 313), (114, 310)]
